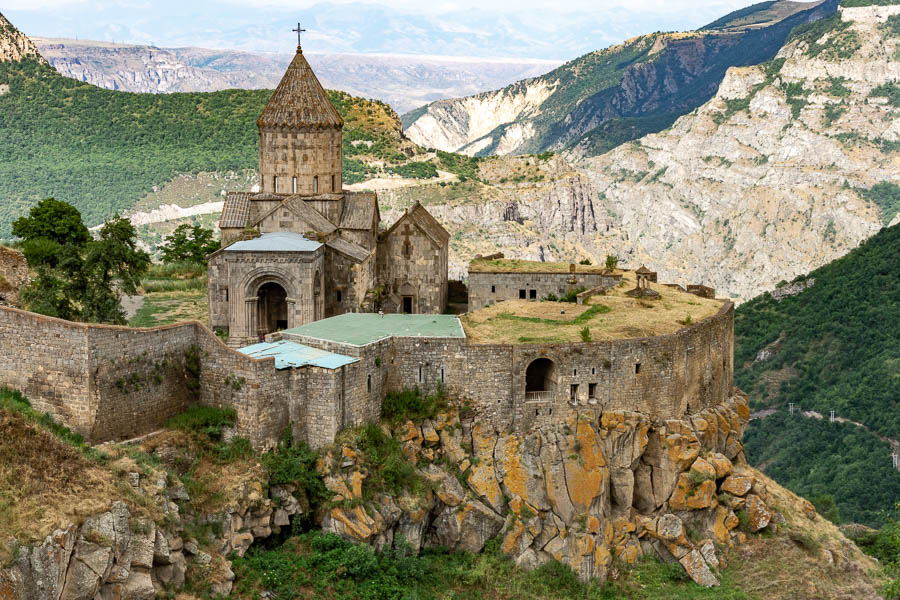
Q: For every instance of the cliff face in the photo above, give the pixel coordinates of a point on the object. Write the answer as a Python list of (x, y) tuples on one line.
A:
[(648, 81), (15, 45), (771, 178)]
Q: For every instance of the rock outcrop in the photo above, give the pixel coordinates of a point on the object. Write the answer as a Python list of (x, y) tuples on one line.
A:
[(15, 45), (120, 555), (14, 275), (584, 492)]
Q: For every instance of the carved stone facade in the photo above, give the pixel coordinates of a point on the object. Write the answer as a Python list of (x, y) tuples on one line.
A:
[(303, 249)]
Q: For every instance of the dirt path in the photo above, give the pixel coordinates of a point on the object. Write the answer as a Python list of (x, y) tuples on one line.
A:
[(131, 304)]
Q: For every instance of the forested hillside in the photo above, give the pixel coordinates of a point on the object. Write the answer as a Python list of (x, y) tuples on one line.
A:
[(102, 150), (834, 346)]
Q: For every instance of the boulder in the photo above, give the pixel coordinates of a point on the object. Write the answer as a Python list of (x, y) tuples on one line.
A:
[(759, 513), (467, 527), (697, 569), (721, 464), (736, 485), (687, 496)]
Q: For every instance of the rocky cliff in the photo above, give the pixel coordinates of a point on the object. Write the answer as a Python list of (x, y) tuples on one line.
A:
[(595, 495), (778, 174), (15, 45), (608, 96)]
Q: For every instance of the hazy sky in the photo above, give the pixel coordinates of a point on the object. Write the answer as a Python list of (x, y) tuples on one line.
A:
[(508, 28)]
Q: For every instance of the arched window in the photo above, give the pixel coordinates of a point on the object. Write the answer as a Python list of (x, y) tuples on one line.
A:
[(540, 376), (316, 184)]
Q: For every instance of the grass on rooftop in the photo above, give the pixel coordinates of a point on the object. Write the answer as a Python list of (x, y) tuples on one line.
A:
[(607, 317)]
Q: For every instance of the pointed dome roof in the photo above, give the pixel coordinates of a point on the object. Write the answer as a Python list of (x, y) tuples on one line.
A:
[(299, 100)]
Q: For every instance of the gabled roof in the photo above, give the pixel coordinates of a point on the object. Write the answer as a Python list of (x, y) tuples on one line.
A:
[(352, 251), (236, 210), (277, 241), (296, 204), (299, 100), (644, 271), (360, 209), (423, 219)]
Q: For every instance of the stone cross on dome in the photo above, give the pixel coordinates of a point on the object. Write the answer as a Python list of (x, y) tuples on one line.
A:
[(299, 30)]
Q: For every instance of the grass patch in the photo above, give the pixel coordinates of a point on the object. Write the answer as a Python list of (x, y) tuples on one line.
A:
[(205, 420), (325, 566), (584, 317)]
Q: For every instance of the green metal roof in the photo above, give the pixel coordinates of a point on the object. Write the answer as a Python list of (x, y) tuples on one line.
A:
[(360, 329)]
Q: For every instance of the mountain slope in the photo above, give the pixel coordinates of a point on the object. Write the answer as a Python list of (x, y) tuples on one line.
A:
[(654, 78), (833, 346), (791, 165), (14, 45)]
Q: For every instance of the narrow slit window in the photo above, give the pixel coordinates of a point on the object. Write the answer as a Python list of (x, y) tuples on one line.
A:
[(442, 374), (421, 375), (275, 183), (332, 184), (294, 182), (316, 184), (369, 384), (226, 294)]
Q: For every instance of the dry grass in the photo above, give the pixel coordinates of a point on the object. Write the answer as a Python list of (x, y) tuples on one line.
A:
[(164, 308), (512, 322), (45, 483), (806, 559), (507, 265)]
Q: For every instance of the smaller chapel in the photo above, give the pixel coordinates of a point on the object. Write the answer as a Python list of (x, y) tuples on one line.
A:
[(303, 248)]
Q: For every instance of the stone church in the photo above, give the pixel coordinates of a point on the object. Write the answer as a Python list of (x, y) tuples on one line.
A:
[(303, 249)]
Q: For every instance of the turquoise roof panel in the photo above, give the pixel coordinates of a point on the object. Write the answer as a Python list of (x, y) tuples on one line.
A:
[(359, 329), (278, 241), (291, 354)]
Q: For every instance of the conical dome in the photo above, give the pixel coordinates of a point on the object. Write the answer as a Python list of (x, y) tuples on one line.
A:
[(299, 100)]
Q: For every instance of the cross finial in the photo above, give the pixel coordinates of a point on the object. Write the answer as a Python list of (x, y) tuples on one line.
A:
[(299, 30)]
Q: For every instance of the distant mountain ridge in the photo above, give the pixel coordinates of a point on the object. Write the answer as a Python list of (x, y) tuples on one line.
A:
[(404, 82), (610, 96)]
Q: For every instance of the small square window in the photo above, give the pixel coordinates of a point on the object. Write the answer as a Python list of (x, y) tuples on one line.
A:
[(339, 296), (493, 289), (521, 294), (637, 368), (532, 294), (592, 390), (573, 392), (593, 371)]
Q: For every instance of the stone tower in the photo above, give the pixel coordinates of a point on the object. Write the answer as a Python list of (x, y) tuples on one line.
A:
[(300, 136)]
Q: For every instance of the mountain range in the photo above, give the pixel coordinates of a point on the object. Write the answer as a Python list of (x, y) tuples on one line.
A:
[(403, 81)]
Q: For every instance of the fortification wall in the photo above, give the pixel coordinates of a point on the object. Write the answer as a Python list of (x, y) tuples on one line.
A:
[(489, 288), (47, 360), (111, 383)]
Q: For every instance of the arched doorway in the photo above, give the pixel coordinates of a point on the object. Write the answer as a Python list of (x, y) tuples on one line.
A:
[(540, 379), (271, 308)]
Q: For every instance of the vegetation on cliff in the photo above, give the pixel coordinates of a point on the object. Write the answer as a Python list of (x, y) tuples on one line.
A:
[(834, 346)]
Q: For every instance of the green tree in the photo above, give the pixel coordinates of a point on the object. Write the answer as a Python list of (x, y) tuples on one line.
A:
[(113, 264), (191, 243), (53, 229), (611, 262)]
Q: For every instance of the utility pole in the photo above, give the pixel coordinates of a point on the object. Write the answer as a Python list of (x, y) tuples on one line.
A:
[(895, 457), (832, 416), (791, 407)]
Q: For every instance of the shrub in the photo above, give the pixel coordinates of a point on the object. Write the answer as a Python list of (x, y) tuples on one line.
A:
[(206, 420), (611, 262), (295, 463), (412, 405), (585, 334)]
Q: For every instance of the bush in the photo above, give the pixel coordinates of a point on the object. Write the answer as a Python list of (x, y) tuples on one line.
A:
[(296, 464), (412, 405), (205, 420), (585, 334)]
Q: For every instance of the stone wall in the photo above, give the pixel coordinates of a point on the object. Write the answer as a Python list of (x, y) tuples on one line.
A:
[(489, 288), (306, 155), (112, 383)]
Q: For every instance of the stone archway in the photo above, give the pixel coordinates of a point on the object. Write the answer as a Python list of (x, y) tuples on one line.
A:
[(271, 308), (540, 379)]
